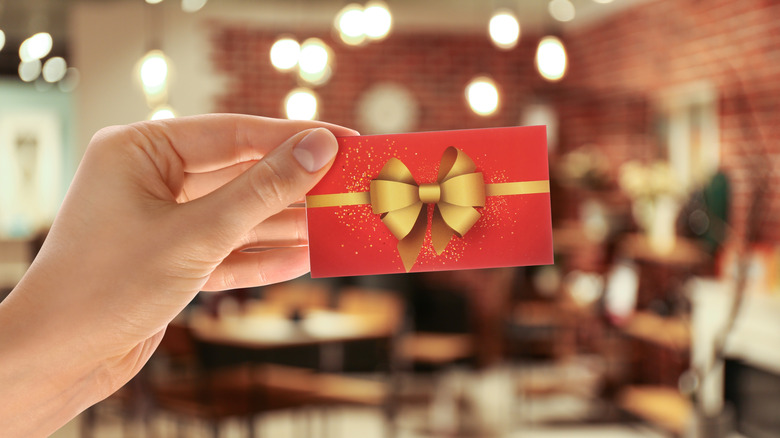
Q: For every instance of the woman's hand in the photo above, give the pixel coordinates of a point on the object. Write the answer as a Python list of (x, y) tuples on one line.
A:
[(157, 212)]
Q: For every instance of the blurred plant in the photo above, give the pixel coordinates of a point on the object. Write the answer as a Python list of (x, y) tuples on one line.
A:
[(584, 167), (655, 194)]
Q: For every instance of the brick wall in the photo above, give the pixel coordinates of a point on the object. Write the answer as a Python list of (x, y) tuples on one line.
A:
[(616, 69), (435, 68)]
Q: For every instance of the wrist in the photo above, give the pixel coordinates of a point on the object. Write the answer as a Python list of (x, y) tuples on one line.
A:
[(46, 381)]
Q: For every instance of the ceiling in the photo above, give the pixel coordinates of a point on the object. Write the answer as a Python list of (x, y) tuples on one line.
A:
[(21, 18)]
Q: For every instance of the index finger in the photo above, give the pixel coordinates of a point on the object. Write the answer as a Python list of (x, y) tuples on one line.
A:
[(213, 141)]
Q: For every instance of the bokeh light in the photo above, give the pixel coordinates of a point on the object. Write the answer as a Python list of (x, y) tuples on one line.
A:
[(504, 29), (315, 61), (551, 58), (2, 39), (70, 81), (301, 104), (162, 113), (350, 24), (154, 72), (561, 10), (35, 47), (285, 53), (482, 95), (192, 5), (30, 70), (377, 20), (54, 69)]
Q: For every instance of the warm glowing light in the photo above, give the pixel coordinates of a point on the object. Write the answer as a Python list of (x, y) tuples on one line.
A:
[(2, 39), (378, 20), (161, 113), (315, 62), (482, 95), (561, 10), (154, 72), (349, 21), (54, 69), (551, 58), (192, 5), (285, 53), (314, 56), (30, 70), (504, 29), (603, 1), (70, 81), (35, 47), (301, 104), (153, 2)]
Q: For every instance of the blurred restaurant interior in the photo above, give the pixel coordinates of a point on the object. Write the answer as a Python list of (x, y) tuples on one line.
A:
[(659, 317)]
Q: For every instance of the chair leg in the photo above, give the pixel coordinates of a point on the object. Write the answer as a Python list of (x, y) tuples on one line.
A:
[(88, 422), (250, 424)]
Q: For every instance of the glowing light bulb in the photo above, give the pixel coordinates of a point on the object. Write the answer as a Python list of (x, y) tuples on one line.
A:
[(301, 104), (561, 10), (2, 39), (482, 95), (35, 47), (349, 21), (378, 20), (162, 113), (54, 69), (504, 29), (154, 72), (285, 53), (551, 58), (314, 56)]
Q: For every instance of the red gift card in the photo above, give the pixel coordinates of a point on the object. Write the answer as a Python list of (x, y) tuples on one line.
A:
[(432, 201)]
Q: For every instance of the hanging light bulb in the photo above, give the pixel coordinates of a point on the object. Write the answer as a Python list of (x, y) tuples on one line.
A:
[(482, 95), (285, 53), (301, 104), (35, 47), (551, 58), (154, 72), (2, 39), (378, 20), (504, 29)]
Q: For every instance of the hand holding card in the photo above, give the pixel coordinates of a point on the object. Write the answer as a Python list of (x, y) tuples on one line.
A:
[(432, 201)]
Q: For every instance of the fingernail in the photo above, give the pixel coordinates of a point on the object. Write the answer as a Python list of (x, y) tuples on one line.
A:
[(316, 150)]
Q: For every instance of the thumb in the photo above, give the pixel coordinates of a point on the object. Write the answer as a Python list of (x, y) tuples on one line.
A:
[(281, 178)]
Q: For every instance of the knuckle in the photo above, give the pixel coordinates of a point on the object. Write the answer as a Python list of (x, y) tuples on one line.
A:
[(272, 185)]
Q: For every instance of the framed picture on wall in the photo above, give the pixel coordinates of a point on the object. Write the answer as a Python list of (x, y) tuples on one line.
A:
[(31, 145)]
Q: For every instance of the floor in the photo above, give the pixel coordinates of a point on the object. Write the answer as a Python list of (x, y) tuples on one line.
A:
[(540, 422)]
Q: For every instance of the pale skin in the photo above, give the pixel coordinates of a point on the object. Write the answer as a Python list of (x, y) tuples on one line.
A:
[(157, 212)]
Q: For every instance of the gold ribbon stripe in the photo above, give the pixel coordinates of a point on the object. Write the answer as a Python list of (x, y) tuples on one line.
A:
[(517, 188), (492, 189), (338, 199)]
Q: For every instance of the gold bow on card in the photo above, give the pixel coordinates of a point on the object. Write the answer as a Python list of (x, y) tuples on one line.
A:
[(400, 200)]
